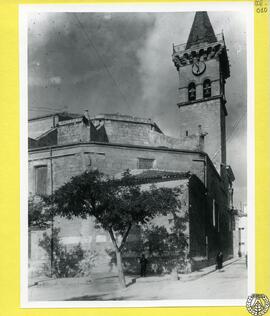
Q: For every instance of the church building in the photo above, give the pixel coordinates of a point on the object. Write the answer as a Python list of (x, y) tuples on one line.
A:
[(63, 145)]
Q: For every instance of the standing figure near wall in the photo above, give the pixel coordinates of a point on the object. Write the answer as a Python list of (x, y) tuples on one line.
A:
[(219, 260)]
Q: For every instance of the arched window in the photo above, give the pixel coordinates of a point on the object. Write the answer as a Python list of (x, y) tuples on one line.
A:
[(207, 88), (191, 91)]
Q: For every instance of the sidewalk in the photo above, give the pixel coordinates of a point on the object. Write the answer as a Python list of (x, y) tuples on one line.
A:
[(129, 279), (186, 277), (106, 286), (205, 271)]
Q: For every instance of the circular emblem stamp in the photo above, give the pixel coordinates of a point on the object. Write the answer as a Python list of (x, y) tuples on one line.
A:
[(257, 304)]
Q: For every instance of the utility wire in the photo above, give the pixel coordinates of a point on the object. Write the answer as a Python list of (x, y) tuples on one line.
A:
[(229, 138), (42, 110), (47, 108), (91, 42)]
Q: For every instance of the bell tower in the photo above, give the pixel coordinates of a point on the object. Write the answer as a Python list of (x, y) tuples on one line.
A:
[(203, 67)]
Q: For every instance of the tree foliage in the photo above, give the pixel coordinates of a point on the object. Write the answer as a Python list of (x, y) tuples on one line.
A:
[(67, 263), (39, 214), (116, 204)]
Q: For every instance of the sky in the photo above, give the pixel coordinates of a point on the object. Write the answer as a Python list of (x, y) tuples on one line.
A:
[(121, 63)]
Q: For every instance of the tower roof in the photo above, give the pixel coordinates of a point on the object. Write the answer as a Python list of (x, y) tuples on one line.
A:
[(201, 30)]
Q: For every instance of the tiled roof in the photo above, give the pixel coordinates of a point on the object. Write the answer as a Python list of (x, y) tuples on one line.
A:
[(155, 175)]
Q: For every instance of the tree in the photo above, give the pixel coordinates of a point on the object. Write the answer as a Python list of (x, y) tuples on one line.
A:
[(117, 205)]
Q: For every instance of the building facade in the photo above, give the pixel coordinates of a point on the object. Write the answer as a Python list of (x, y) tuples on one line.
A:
[(64, 145)]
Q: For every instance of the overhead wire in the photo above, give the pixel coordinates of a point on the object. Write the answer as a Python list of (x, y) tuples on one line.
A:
[(234, 127), (47, 108), (91, 42)]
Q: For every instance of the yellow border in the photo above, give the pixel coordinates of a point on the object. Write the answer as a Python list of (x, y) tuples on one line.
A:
[(9, 171)]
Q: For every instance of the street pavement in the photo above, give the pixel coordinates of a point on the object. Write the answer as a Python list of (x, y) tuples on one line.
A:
[(230, 283)]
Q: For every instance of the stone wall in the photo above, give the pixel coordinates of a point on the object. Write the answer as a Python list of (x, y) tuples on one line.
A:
[(197, 219), (73, 160), (127, 132), (73, 131), (207, 114), (220, 233), (124, 130)]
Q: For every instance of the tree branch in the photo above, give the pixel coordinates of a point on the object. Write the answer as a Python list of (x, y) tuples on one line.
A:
[(125, 237), (113, 238)]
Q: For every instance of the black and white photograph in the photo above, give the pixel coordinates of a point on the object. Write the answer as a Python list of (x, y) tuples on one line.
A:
[(139, 154)]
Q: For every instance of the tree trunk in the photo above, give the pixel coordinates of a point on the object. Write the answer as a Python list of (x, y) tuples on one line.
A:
[(120, 267), (119, 264)]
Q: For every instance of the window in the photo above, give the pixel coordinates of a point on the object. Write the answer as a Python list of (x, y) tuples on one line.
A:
[(207, 88), (41, 180), (230, 223), (191, 91), (145, 163), (214, 213)]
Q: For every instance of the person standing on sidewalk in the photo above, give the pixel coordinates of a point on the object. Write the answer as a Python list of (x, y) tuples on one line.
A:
[(219, 260), (143, 262)]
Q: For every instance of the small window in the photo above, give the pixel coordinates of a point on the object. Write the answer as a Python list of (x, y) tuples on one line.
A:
[(145, 163), (230, 224), (192, 91), (41, 180), (207, 88), (214, 213), (186, 133)]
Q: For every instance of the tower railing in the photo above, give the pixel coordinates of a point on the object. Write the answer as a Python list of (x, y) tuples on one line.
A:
[(182, 47)]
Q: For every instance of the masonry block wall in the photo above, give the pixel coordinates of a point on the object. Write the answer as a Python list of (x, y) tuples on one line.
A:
[(108, 159), (212, 72), (119, 130), (73, 131), (128, 130), (207, 114), (220, 218), (197, 220)]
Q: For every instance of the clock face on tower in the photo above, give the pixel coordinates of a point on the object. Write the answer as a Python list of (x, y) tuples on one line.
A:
[(198, 68)]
